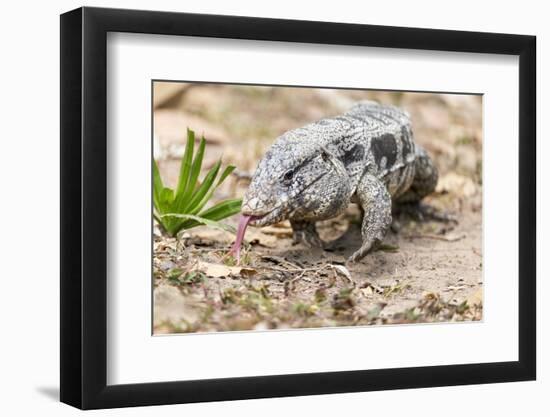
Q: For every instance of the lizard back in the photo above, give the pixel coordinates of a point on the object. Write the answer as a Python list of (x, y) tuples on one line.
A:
[(370, 137)]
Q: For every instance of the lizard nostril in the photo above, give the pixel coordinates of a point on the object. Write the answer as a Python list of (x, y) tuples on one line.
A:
[(247, 209), (254, 207), (252, 203)]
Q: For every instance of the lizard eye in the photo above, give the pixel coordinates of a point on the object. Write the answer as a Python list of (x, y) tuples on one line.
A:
[(287, 177)]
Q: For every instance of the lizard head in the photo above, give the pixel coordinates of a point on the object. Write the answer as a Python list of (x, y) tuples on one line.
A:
[(295, 181)]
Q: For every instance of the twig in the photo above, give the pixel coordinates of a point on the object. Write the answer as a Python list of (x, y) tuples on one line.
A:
[(446, 238), (280, 260), (300, 276), (274, 268)]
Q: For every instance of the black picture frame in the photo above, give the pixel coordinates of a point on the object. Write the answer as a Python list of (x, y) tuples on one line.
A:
[(84, 207)]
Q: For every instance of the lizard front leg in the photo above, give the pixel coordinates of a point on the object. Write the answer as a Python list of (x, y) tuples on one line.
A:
[(305, 232), (375, 200)]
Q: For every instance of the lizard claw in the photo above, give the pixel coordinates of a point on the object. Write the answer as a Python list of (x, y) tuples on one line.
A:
[(363, 251), (422, 212)]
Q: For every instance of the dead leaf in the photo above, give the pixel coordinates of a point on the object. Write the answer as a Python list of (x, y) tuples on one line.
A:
[(370, 288), (218, 270), (343, 271), (367, 291), (430, 296), (222, 271), (248, 272)]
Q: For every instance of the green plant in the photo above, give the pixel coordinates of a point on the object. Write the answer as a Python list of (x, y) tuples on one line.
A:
[(184, 207)]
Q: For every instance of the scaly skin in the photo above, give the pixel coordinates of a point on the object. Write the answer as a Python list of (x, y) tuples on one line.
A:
[(367, 155)]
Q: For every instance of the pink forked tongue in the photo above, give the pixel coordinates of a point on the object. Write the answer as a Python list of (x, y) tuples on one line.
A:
[(236, 248)]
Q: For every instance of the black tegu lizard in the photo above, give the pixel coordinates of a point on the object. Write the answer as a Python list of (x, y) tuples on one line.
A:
[(367, 155)]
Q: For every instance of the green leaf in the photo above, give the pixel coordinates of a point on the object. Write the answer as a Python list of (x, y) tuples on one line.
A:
[(222, 210), (183, 198), (158, 219), (157, 186), (217, 212), (165, 203), (174, 274), (201, 220), (177, 209), (185, 167), (199, 194), (228, 170), (166, 198), (196, 168)]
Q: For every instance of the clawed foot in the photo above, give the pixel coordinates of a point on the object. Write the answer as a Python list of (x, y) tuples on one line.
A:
[(363, 251), (423, 212), (306, 233)]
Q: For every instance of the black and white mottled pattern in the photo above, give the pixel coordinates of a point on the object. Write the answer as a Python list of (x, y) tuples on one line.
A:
[(368, 154)]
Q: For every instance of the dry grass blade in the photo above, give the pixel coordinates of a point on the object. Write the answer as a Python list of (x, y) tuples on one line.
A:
[(446, 238)]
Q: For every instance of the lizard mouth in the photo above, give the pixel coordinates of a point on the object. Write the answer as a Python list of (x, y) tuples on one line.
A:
[(257, 220), (265, 219)]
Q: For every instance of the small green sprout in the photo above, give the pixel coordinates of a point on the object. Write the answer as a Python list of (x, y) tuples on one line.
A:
[(184, 207)]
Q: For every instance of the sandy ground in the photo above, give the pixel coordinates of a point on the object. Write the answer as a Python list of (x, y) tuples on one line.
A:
[(425, 272)]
